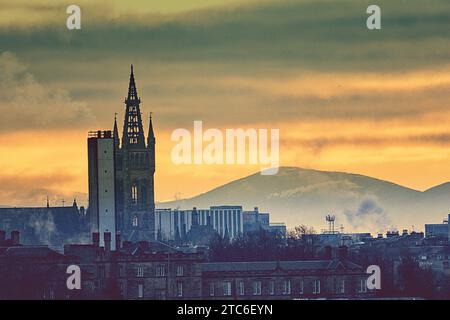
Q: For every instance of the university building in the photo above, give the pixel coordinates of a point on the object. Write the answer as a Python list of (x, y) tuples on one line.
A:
[(126, 206), (227, 220), (171, 224)]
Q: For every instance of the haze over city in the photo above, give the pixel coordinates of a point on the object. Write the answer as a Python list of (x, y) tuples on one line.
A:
[(344, 100)]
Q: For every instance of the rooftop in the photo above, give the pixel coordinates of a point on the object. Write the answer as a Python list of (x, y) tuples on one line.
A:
[(274, 265)]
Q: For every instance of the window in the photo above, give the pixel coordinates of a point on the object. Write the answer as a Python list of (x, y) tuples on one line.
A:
[(362, 286), (257, 288), (287, 287), (121, 288), (211, 289), (140, 290), (121, 271), (241, 288), (101, 272), (272, 287), (49, 293), (140, 271), (301, 289), (160, 271), (134, 193), (316, 287), (342, 286), (227, 288), (160, 294), (180, 271), (135, 221), (179, 289)]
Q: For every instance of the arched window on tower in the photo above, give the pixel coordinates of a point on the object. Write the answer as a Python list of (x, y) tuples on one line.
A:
[(135, 221), (134, 193)]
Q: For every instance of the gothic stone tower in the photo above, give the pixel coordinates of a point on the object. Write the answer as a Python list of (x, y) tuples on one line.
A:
[(135, 168)]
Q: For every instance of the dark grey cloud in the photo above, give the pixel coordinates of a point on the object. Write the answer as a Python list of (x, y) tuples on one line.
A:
[(181, 58), (318, 144), (317, 34)]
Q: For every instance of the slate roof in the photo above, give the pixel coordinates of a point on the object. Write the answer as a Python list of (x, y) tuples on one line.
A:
[(65, 223), (273, 265), (28, 252)]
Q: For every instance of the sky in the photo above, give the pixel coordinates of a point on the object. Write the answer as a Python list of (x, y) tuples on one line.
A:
[(343, 97)]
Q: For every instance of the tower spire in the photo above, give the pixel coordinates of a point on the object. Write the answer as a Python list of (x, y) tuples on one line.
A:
[(151, 134), (132, 91), (116, 133), (133, 133)]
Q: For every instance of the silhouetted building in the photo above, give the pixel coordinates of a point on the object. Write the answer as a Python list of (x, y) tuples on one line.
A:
[(278, 228), (255, 220), (284, 280), (102, 196), (135, 168), (154, 270), (30, 272), (175, 224), (47, 225), (440, 230)]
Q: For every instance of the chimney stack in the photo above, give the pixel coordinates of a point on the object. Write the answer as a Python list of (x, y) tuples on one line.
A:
[(118, 241), (15, 238), (107, 238), (127, 244), (328, 253), (343, 251), (96, 239)]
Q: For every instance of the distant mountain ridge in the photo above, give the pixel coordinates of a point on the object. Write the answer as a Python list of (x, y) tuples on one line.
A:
[(304, 196)]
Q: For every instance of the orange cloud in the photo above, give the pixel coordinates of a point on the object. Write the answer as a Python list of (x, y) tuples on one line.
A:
[(326, 85)]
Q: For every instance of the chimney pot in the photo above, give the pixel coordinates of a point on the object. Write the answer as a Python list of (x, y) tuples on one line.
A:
[(126, 244), (96, 239), (107, 238), (343, 251), (15, 237), (328, 253), (118, 241)]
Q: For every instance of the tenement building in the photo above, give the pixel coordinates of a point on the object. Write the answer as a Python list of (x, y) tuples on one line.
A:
[(283, 280), (153, 270)]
